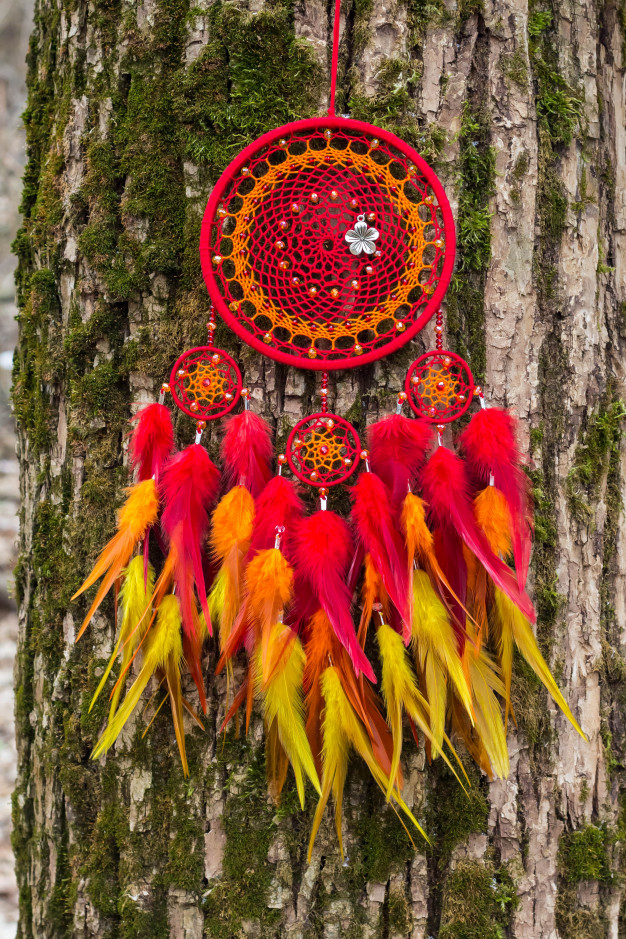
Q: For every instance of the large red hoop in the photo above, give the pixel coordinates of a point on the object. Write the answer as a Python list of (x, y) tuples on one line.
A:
[(263, 298), (323, 449)]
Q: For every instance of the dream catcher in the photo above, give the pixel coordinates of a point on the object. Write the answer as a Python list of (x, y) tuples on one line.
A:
[(326, 244)]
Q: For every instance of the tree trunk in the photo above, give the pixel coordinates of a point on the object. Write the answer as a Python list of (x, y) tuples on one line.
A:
[(134, 110)]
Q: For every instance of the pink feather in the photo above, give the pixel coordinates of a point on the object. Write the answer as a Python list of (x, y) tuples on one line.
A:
[(489, 445), (323, 551), (446, 488), (398, 448), (188, 490), (378, 534), (247, 452), (151, 441)]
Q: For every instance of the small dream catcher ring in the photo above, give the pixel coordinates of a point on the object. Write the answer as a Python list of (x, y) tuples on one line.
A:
[(323, 449), (205, 383), (439, 386), (327, 243)]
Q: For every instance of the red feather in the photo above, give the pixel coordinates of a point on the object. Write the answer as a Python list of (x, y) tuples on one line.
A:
[(446, 488), (247, 452), (152, 440), (323, 551), (489, 445), (188, 489), (278, 504), (398, 448), (378, 534)]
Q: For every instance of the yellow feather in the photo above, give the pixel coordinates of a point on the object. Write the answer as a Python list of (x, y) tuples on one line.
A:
[(283, 703), (162, 644), (335, 750), (345, 729), (217, 601), (493, 516), (134, 601), (138, 513), (400, 692), (510, 622), (436, 651), (486, 684)]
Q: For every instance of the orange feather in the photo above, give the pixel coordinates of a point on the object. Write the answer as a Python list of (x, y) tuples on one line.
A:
[(136, 516), (494, 517)]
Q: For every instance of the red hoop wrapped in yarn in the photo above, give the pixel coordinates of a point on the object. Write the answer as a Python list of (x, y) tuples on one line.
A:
[(327, 243), (439, 386), (205, 383), (323, 449)]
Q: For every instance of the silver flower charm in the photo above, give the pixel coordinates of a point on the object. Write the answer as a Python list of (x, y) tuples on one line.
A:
[(361, 238)]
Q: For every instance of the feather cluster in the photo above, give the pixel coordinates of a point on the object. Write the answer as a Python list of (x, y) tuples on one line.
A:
[(440, 544)]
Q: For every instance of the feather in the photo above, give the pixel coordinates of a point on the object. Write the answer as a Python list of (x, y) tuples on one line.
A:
[(188, 489), (276, 762), (323, 551), (247, 452), (322, 649), (490, 448), (401, 693), (268, 589), (494, 518), (436, 654), (231, 531), (134, 598), (283, 705), (278, 505), (446, 489), (138, 513), (163, 648), (486, 684), (152, 441), (398, 448), (377, 533), (371, 591), (420, 545), (510, 623), (341, 730)]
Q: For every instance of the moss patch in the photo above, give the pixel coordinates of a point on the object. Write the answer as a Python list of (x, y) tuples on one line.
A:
[(478, 902)]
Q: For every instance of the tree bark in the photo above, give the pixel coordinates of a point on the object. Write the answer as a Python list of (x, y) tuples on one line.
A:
[(134, 109)]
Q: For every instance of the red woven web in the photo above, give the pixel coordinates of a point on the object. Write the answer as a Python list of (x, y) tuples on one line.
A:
[(439, 386), (205, 383), (277, 262), (323, 449)]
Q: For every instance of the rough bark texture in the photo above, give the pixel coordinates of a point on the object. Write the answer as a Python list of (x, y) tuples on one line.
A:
[(135, 107)]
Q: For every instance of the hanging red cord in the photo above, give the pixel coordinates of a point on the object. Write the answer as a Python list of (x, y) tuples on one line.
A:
[(335, 59)]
